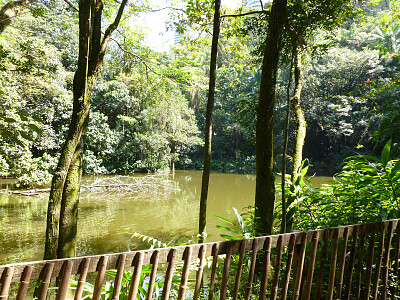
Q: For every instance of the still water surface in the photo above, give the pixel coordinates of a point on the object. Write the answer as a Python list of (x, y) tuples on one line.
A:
[(108, 219)]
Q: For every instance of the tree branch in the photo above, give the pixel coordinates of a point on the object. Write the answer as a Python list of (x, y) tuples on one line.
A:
[(112, 27), (71, 5), (136, 56), (254, 12), (167, 7)]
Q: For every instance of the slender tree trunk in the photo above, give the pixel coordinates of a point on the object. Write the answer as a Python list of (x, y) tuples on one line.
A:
[(64, 194), (265, 189), (208, 129), (284, 150), (300, 121)]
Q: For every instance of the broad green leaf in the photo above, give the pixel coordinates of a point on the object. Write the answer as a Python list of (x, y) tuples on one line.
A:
[(395, 169), (35, 128), (229, 237), (386, 153), (37, 119), (229, 222), (240, 219), (9, 120), (26, 136), (228, 229)]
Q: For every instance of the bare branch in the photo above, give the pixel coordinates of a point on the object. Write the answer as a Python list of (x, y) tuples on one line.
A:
[(136, 56), (254, 12), (167, 7), (71, 5), (112, 27), (262, 5)]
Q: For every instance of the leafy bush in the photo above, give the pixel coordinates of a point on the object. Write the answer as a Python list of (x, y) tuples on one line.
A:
[(366, 190)]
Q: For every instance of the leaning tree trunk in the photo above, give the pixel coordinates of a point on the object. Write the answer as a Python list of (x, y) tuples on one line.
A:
[(208, 129), (299, 119), (64, 194), (265, 188)]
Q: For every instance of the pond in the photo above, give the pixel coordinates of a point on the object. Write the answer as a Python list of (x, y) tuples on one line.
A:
[(164, 209)]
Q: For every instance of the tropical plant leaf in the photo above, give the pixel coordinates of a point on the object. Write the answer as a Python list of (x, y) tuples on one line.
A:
[(37, 119), (229, 237), (241, 221), (9, 120), (229, 222), (386, 153), (26, 136), (35, 128), (228, 229), (395, 169)]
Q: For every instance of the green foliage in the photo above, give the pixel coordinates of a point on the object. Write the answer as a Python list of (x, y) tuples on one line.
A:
[(366, 190), (243, 229)]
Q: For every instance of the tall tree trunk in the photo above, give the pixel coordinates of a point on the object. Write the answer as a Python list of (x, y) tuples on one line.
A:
[(208, 129), (64, 194), (300, 121), (69, 207), (265, 189), (284, 150)]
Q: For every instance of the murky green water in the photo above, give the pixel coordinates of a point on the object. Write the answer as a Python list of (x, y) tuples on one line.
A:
[(108, 219)]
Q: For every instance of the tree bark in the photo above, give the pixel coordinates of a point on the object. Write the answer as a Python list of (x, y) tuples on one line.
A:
[(265, 189), (300, 121), (64, 194), (69, 207), (208, 129)]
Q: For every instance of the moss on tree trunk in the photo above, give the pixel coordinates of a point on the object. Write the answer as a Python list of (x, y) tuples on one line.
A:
[(64, 194), (265, 188)]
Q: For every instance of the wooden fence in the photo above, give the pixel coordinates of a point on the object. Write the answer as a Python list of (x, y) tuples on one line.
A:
[(350, 262)]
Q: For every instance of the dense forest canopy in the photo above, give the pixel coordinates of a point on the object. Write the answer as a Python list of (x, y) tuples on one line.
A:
[(148, 107)]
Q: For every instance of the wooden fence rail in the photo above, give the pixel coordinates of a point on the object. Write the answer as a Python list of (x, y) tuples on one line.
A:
[(349, 262)]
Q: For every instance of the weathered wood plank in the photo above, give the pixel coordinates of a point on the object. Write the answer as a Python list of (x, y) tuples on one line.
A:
[(225, 273), (46, 279), (289, 261), (265, 269), (342, 263), (378, 263), (386, 259), (350, 270), (332, 270), (299, 267), (24, 284), (84, 267), (239, 269), (101, 271), (275, 282), (135, 280), (119, 276), (64, 280), (6, 278), (187, 256), (199, 273), (322, 263), (368, 271), (311, 266), (215, 250), (154, 261), (169, 274)]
